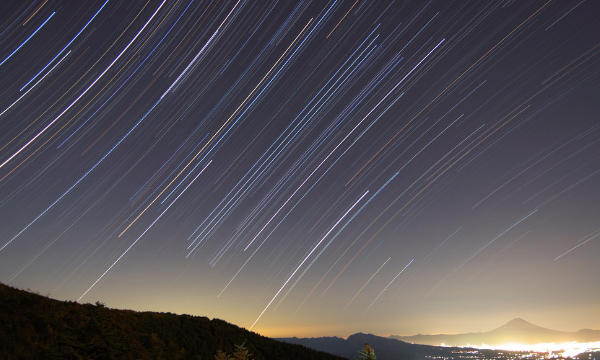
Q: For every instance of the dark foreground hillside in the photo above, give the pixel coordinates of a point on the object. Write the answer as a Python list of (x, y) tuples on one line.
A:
[(36, 327)]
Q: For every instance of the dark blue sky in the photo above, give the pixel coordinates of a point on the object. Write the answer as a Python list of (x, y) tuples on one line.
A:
[(306, 168)]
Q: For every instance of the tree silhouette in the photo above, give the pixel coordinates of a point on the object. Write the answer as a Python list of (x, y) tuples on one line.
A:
[(367, 353), (241, 353), (221, 355)]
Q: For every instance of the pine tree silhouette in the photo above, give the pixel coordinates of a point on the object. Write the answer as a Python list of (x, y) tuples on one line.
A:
[(367, 353)]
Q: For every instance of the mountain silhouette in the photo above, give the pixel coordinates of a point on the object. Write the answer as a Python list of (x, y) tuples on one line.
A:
[(385, 348), (514, 331)]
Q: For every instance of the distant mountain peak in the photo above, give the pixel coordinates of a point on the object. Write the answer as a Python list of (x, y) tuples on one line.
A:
[(515, 331), (518, 320), (519, 324)]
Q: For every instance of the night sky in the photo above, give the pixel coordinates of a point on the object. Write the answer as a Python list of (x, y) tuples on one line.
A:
[(306, 168)]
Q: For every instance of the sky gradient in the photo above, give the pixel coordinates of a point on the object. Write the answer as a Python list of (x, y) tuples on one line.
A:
[(306, 168)]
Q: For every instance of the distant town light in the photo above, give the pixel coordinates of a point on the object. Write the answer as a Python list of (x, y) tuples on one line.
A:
[(567, 349)]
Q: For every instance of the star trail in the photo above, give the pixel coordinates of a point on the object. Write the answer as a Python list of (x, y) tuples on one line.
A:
[(287, 165)]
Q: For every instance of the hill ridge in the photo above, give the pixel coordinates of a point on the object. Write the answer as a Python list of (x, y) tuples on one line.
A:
[(33, 326)]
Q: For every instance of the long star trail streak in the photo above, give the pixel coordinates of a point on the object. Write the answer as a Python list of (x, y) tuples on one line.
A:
[(477, 252), (575, 247), (26, 40), (218, 132), (307, 256), (373, 222), (387, 286), (34, 85), (361, 289), (339, 144), (323, 249), (200, 52), (66, 46), (80, 179), (139, 237), (251, 184), (474, 125), (84, 92)]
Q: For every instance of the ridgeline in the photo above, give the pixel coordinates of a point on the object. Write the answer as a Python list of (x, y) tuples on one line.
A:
[(36, 327)]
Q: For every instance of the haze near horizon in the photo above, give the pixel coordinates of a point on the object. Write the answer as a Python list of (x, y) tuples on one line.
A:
[(306, 168), (515, 333)]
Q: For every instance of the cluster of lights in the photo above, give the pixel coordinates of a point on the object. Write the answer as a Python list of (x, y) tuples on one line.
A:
[(567, 349)]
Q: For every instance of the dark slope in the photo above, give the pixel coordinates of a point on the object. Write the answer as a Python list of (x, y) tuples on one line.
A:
[(515, 331), (36, 327)]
